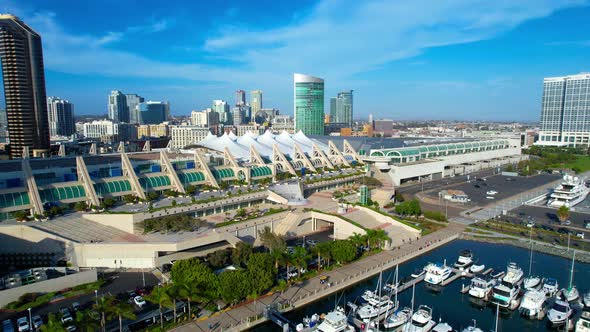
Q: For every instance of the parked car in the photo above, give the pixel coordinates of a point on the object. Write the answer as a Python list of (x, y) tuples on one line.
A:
[(580, 235), (312, 242), (7, 326), (75, 306), (71, 328), (65, 315), (23, 324), (37, 322), (139, 301), (567, 222)]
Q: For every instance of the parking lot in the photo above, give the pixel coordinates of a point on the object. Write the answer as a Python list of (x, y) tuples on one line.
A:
[(548, 216), (477, 189)]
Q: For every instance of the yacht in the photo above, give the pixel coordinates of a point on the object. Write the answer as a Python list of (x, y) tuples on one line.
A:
[(421, 321), (480, 288), (550, 287), (571, 293), (506, 293), (418, 273), (477, 268), (583, 324), (532, 303), (308, 323), (335, 321), (532, 283), (436, 273), (375, 307), (465, 260), (571, 191), (442, 327), (398, 318), (586, 300), (559, 312)]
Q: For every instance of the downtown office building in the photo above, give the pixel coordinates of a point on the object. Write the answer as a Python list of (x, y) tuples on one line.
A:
[(309, 104), (565, 112)]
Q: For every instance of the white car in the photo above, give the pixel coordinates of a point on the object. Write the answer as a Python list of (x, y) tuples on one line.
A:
[(37, 322), (65, 315), (139, 301), (23, 324)]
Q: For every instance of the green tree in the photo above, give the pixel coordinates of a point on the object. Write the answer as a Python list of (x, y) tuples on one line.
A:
[(53, 324), (357, 239), (81, 206), (275, 243), (129, 198), (104, 306), (343, 251), (189, 293), (173, 293), (191, 190), (21, 215), (241, 253), (108, 203), (196, 274), (323, 250), (241, 213), (234, 285), (160, 297), (299, 258), (218, 258), (262, 272), (86, 321), (563, 213), (122, 310)]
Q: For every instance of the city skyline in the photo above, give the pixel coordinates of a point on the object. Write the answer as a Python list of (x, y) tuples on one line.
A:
[(488, 64)]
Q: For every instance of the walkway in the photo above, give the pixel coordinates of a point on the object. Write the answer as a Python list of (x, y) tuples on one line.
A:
[(247, 315)]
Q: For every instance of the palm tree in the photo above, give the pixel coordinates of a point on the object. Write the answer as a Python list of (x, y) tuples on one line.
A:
[(563, 213), (357, 239), (299, 258), (380, 236), (87, 321), (189, 293), (104, 305), (122, 310), (172, 291), (160, 297), (53, 325), (323, 250)]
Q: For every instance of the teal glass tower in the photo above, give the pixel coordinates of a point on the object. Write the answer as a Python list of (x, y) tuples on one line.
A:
[(309, 104)]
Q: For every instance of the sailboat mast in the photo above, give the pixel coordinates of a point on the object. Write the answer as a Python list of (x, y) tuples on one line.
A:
[(531, 254), (396, 284), (572, 270), (497, 316), (413, 288)]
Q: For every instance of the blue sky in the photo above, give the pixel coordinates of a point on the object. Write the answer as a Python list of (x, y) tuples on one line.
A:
[(465, 60)]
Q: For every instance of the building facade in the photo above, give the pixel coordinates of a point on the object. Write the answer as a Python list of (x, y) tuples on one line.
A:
[(222, 108), (133, 102), (61, 117), (152, 112), (153, 130), (240, 98), (565, 111), (23, 73), (110, 131), (341, 110), (256, 101), (117, 107), (205, 118), (182, 136), (383, 128), (309, 104)]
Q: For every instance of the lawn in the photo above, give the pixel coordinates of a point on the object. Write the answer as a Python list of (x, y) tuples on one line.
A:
[(580, 165)]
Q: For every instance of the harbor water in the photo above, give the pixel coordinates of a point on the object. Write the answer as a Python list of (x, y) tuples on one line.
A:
[(447, 303)]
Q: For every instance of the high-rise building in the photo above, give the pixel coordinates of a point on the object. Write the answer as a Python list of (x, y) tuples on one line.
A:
[(365, 195), (341, 108), (117, 108), (240, 98), (133, 101), (256, 101), (111, 131), (330, 117), (205, 118), (152, 112), (309, 104), (24, 87), (222, 108), (238, 116), (153, 130), (182, 136), (61, 117), (565, 111)]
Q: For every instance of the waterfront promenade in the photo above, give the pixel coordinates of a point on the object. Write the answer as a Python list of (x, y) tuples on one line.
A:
[(250, 314)]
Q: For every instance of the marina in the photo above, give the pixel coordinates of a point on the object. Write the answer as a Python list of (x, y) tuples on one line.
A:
[(450, 301)]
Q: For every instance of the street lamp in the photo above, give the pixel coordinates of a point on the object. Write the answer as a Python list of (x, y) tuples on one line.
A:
[(30, 319), (96, 296)]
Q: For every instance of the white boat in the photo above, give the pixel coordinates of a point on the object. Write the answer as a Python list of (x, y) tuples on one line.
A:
[(335, 321), (586, 300), (442, 327), (477, 268), (550, 287), (398, 318), (505, 294), (491, 192), (532, 303), (308, 323), (559, 312), (571, 191), (418, 273), (465, 259), (421, 321), (583, 324), (571, 293), (472, 328), (436, 273), (532, 283), (375, 303), (481, 287)]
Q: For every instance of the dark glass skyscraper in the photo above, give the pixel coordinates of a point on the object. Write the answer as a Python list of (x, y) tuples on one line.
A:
[(24, 87), (309, 104)]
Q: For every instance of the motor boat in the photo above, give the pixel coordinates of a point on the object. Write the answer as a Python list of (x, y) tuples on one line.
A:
[(480, 288), (571, 191), (418, 273), (583, 324), (465, 260), (550, 287), (398, 318), (374, 307), (436, 273), (586, 300), (421, 321), (308, 323), (505, 294), (571, 293), (335, 321), (442, 327), (477, 268), (532, 282), (559, 312), (532, 303), (497, 274), (391, 287), (472, 328)]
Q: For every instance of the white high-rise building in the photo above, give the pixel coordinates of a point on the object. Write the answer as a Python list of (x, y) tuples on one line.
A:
[(106, 128), (182, 136), (205, 118), (565, 111), (60, 114), (222, 108), (133, 102)]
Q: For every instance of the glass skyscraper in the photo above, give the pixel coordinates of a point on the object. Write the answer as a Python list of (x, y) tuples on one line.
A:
[(565, 111), (309, 104), (341, 108), (23, 73)]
